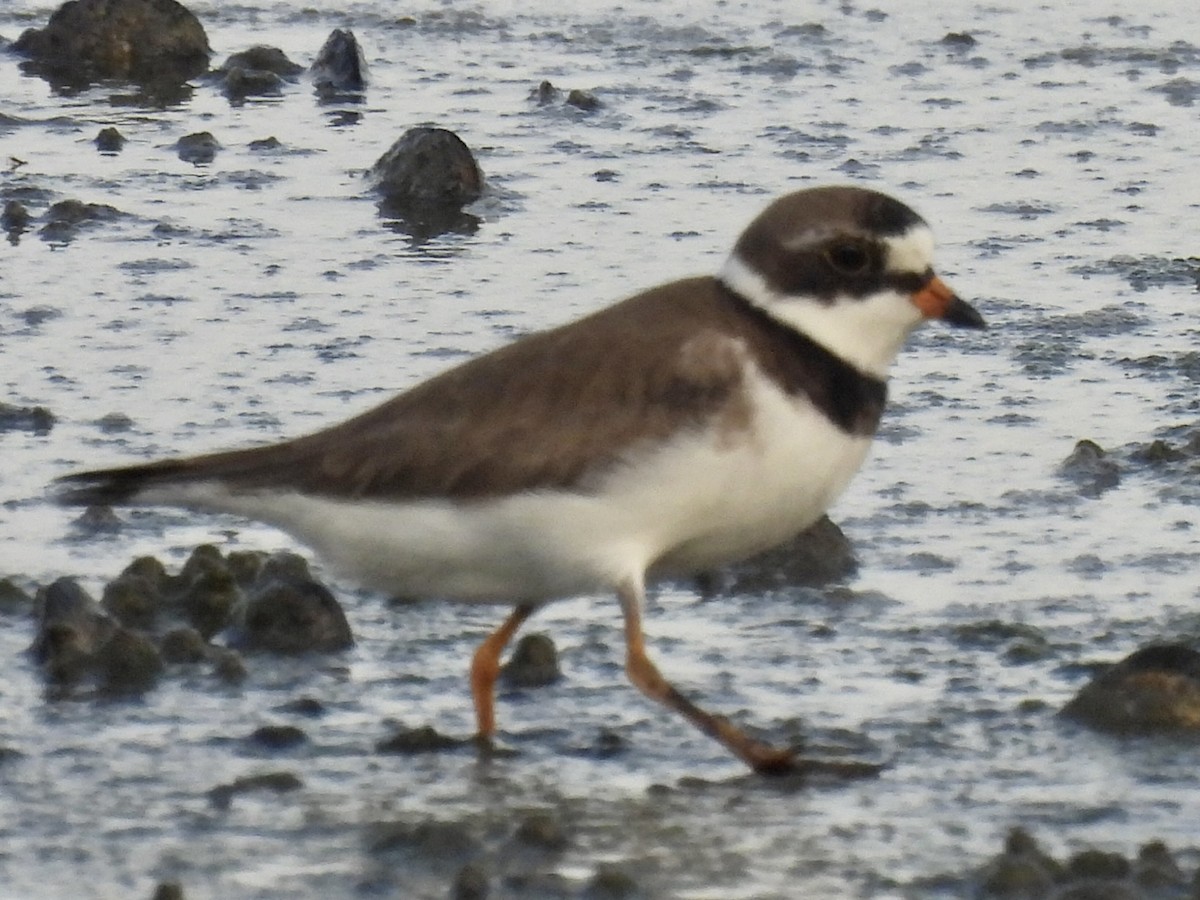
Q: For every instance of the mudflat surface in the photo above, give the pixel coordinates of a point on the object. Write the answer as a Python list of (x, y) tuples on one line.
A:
[(261, 295)]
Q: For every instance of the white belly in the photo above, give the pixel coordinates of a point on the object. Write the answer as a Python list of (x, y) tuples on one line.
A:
[(705, 499)]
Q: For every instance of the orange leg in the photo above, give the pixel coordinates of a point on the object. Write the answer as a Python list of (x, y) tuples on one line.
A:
[(645, 675), (485, 669)]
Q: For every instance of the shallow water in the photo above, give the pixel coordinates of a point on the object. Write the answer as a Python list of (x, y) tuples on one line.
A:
[(262, 295)]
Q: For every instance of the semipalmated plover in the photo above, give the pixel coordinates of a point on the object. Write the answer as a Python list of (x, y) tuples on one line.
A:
[(688, 426)]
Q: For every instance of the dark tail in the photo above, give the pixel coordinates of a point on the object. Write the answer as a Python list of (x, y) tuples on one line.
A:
[(115, 487)]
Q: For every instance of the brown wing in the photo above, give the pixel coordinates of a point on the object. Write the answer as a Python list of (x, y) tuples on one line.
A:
[(545, 412)]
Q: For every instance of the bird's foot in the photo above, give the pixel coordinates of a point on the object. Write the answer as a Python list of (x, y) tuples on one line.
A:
[(773, 761)]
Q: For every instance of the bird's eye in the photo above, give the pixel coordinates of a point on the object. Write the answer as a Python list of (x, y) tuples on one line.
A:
[(848, 257)]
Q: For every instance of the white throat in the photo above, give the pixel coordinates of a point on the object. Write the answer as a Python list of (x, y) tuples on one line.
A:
[(866, 332)]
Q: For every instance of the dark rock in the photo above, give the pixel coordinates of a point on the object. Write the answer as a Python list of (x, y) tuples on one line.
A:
[(228, 665), (585, 100), (208, 600), (1156, 869), (471, 883), (128, 663), (16, 218), (309, 707), (545, 94), (427, 177), (541, 831), (1091, 469), (109, 140), (261, 58), (71, 629), (1155, 689), (424, 739), (959, 40), (259, 71), (114, 423), (96, 520), (1098, 865), (276, 782), (238, 84), (64, 219), (442, 845), (13, 599), (534, 663), (37, 419), (183, 645), (168, 890), (611, 883), (1098, 890), (199, 148), (1158, 452), (144, 41), (1021, 872), (132, 600), (293, 616), (245, 566), (278, 737), (818, 555), (285, 566), (266, 145), (150, 570), (340, 66)]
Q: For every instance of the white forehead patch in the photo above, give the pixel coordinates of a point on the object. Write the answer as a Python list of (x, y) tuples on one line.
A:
[(911, 251)]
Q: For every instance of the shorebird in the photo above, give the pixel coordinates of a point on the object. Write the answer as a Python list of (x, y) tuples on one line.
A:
[(683, 428)]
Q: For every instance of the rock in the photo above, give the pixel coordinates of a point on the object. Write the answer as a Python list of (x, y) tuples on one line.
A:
[(585, 100), (1154, 689), (541, 831), (109, 141), (277, 737), (144, 41), (208, 598), (427, 177), (545, 94), (128, 663), (424, 739), (96, 520), (199, 148), (439, 845), (471, 883), (1091, 469), (818, 555), (37, 419), (132, 600), (238, 84), (340, 67), (611, 883), (534, 663), (1021, 872), (15, 219), (13, 600), (958, 40), (183, 645), (168, 890), (288, 615), (1155, 868), (266, 145), (259, 71), (262, 58), (228, 665), (276, 782), (64, 219), (71, 629), (114, 423)]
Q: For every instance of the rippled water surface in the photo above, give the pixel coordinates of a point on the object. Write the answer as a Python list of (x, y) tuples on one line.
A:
[(262, 295)]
